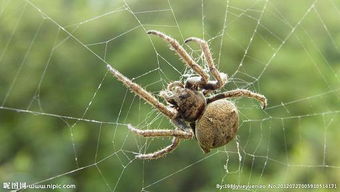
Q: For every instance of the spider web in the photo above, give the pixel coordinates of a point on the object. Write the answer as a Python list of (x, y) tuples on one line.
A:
[(64, 119)]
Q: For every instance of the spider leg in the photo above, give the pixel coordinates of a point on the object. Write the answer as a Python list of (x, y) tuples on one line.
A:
[(162, 152), (138, 90), (182, 53), (180, 124), (163, 133), (238, 93), (221, 78)]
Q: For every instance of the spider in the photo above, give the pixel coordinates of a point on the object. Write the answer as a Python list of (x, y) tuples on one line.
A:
[(212, 120)]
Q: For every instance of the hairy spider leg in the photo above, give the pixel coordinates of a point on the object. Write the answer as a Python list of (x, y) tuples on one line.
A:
[(170, 113), (162, 132), (239, 93), (162, 152), (183, 54), (221, 78), (177, 134)]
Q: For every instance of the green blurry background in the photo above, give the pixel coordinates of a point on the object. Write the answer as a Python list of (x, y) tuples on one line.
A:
[(63, 118)]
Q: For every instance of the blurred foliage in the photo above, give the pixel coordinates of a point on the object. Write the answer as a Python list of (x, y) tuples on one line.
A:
[(59, 80)]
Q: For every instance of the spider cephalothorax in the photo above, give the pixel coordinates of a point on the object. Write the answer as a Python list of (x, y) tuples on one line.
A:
[(189, 103), (213, 120)]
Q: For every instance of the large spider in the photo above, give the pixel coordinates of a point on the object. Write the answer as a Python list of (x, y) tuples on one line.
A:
[(212, 120)]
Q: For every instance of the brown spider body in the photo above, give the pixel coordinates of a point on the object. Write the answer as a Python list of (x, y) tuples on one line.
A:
[(214, 124), (218, 125), (213, 120), (190, 104)]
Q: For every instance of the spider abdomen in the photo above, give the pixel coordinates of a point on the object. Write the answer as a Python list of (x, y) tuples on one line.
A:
[(218, 125)]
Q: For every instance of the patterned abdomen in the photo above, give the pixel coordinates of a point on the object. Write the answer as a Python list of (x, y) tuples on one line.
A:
[(218, 125)]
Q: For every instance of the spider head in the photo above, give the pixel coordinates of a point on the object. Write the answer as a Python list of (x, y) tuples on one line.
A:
[(190, 104)]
